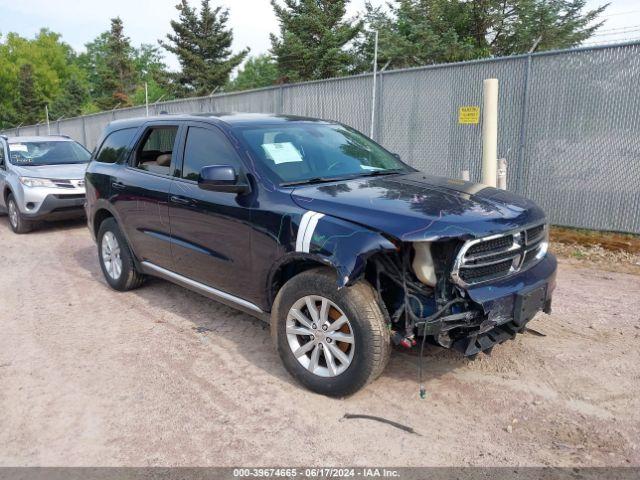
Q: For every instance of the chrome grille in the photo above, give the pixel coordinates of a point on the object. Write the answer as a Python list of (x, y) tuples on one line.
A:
[(68, 183), (498, 256)]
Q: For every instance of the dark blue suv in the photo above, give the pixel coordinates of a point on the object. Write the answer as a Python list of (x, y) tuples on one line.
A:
[(316, 228)]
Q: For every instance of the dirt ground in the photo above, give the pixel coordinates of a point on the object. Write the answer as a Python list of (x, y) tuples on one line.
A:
[(163, 376)]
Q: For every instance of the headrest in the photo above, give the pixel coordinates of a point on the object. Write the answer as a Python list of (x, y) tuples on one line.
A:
[(164, 160)]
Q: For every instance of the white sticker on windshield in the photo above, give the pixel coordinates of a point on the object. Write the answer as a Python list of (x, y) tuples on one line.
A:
[(282, 152), (18, 147)]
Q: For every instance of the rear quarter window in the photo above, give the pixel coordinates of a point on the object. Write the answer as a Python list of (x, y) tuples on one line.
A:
[(115, 146)]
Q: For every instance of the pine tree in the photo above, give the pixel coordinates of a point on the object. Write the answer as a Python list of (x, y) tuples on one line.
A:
[(202, 43), (117, 71), (313, 38), (30, 104), (72, 100), (422, 32)]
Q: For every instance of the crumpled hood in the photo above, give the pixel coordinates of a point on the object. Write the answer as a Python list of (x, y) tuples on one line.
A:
[(73, 171), (416, 206)]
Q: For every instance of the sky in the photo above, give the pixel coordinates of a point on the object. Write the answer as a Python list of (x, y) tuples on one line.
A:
[(145, 21)]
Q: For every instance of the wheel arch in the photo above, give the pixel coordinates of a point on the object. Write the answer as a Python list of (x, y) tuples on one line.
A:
[(6, 192), (100, 216), (288, 267)]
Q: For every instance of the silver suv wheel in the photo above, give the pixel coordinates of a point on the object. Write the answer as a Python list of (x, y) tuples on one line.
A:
[(13, 214), (111, 255), (320, 336)]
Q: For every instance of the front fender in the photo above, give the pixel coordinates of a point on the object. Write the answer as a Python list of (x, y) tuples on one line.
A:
[(341, 244)]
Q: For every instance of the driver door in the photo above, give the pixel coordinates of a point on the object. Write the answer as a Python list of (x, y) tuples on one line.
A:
[(210, 231)]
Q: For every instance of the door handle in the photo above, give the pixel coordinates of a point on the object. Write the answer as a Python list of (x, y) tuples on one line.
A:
[(118, 185), (180, 200)]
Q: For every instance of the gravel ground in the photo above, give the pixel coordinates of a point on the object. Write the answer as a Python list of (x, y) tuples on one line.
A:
[(163, 376)]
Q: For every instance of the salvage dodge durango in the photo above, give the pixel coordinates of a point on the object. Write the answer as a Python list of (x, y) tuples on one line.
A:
[(314, 227)]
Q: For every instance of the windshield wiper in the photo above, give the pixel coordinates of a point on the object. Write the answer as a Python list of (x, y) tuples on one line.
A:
[(308, 181), (375, 173)]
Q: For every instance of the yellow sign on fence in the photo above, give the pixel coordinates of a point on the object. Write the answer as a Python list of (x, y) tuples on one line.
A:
[(469, 115)]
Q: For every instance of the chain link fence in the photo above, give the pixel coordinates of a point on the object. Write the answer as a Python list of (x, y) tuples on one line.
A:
[(569, 124)]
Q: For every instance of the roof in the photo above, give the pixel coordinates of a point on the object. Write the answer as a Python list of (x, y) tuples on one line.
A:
[(231, 119), (41, 138)]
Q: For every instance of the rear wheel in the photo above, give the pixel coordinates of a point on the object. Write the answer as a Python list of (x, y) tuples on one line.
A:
[(333, 341), (116, 259), (16, 220)]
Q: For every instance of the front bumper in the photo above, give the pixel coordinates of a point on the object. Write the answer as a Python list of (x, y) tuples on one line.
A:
[(498, 299), (502, 309), (55, 206)]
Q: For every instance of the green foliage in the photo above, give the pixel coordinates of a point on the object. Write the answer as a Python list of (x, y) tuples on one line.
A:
[(315, 41), (202, 43), (422, 32), (51, 65), (257, 72), (144, 64), (71, 102), (30, 101), (116, 79), (313, 38)]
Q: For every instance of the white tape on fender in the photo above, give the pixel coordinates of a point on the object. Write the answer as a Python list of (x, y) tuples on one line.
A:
[(308, 225)]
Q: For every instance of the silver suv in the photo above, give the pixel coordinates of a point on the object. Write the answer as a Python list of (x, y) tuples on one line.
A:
[(41, 178)]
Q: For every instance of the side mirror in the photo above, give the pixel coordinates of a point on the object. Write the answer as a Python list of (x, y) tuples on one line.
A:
[(221, 178), (397, 155)]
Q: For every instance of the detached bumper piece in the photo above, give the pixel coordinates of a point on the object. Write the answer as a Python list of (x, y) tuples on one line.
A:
[(484, 341)]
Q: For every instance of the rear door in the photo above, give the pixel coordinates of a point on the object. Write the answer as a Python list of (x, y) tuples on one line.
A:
[(211, 231), (141, 192)]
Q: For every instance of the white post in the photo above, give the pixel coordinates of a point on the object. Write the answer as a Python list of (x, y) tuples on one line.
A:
[(46, 112), (373, 92), (502, 173), (490, 132), (146, 97)]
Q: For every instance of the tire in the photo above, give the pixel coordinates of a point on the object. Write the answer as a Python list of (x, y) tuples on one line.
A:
[(366, 355), (17, 222), (112, 245)]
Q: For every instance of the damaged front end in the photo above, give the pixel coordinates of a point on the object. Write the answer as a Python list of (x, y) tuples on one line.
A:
[(465, 294)]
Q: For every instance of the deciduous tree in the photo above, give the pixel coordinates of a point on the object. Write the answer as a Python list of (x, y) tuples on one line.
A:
[(257, 72)]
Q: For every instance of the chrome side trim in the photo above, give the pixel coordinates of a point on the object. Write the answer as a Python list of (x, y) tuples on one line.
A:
[(202, 288)]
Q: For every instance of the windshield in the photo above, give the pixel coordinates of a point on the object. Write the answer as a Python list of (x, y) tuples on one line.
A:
[(307, 152), (47, 153)]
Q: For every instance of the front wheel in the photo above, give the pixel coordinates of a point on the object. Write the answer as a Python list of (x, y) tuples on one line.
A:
[(333, 341), (18, 223)]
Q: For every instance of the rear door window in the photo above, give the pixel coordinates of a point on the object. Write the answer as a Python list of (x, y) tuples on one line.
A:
[(114, 148), (155, 152)]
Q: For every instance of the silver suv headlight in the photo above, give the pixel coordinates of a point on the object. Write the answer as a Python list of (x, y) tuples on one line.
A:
[(37, 182)]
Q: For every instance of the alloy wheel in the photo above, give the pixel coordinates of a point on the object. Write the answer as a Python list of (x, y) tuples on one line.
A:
[(111, 255), (13, 214), (320, 336)]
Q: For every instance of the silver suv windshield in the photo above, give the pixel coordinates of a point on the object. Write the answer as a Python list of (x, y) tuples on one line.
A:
[(297, 153), (37, 153)]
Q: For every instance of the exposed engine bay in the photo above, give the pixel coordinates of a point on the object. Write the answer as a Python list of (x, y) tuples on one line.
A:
[(425, 288)]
